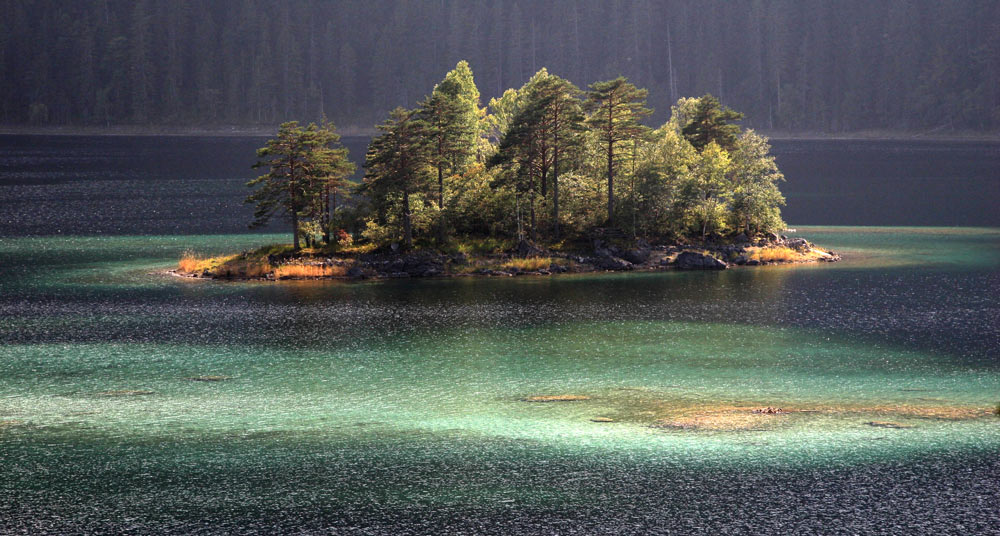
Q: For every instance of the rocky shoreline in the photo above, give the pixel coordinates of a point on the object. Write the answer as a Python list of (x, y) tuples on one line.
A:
[(604, 257)]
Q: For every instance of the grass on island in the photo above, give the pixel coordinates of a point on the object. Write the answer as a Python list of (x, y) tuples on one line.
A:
[(191, 263), (784, 254), (305, 271), (241, 266), (774, 254), (256, 264)]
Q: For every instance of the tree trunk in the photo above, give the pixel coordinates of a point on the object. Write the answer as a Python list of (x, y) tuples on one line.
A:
[(611, 163), (326, 215), (441, 222), (292, 204), (555, 188), (611, 182), (531, 203), (407, 230)]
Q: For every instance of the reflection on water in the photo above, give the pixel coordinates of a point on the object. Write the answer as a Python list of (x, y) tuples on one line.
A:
[(399, 405)]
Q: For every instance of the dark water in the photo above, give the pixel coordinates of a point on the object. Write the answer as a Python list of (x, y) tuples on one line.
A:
[(169, 185), (397, 407)]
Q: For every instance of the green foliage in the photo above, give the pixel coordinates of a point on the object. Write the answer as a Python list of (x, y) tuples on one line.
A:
[(704, 191), (303, 165), (549, 169), (663, 163), (397, 166), (452, 115), (710, 122), (540, 135), (756, 197), (616, 108)]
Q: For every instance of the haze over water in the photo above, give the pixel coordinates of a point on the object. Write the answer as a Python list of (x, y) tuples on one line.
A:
[(398, 406)]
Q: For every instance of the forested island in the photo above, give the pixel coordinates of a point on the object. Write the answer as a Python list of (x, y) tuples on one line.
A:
[(545, 179)]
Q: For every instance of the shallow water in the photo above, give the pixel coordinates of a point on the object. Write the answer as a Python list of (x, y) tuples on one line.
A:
[(395, 406)]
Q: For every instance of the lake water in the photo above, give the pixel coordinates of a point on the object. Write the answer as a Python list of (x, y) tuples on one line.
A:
[(398, 407)]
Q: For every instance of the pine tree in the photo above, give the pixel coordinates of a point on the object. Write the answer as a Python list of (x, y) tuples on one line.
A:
[(397, 163), (452, 116), (302, 164), (332, 167), (711, 122), (557, 107), (615, 107)]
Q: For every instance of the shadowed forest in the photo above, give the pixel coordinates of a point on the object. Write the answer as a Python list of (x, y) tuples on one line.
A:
[(789, 65)]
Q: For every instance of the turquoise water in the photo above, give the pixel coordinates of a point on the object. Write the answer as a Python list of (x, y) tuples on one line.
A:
[(401, 406)]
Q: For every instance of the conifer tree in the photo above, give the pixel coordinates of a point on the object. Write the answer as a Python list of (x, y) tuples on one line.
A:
[(301, 164), (557, 108), (397, 162), (615, 107), (452, 128), (710, 122), (332, 167)]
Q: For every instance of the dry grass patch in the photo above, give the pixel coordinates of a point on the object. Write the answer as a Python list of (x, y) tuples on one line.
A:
[(775, 254), (243, 269), (529, 264), (307, 271), (786, 254), (191, 263)]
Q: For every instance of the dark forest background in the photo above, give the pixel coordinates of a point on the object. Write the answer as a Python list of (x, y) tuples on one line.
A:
[(795, 65)]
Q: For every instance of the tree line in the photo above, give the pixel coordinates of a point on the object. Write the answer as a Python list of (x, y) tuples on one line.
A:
[(787, 64), (545, 162)]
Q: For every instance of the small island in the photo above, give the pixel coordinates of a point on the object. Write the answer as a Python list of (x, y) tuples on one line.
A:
[(546, 179)]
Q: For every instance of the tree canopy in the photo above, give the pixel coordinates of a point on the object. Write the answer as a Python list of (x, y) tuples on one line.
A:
[(551, 171), (711, 122), (303, 165)]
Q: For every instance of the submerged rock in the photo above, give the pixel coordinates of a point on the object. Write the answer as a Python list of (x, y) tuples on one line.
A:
[(556, 398), (887, 424), (719, 421), (769, 411), (125, 392)]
